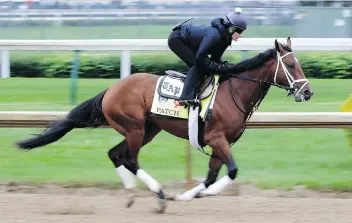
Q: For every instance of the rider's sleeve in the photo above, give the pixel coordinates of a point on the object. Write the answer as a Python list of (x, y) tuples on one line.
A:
[(202, 59), (236, 68), (218, 56)]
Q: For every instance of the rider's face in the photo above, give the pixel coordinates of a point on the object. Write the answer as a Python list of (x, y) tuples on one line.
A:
[(236, 36)]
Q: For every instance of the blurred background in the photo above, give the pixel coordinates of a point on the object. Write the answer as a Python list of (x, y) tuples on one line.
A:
[(45, 81), (93, 19)]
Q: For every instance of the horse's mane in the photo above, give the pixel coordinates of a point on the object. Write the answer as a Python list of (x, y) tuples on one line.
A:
[(256, 61)]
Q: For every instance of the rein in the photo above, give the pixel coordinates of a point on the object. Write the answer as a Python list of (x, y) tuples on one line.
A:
[(261, 82), (256, 105)]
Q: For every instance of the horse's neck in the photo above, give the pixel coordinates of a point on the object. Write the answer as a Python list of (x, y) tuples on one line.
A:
[(248, 92)]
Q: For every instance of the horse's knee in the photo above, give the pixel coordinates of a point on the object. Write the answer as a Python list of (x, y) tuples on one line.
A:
[(115, 157)]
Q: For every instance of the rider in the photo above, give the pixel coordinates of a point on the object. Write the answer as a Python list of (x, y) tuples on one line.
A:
[(192, 44)]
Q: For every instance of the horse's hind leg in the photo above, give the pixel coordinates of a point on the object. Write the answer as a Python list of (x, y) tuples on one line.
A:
[(136, 140), (118, 155)]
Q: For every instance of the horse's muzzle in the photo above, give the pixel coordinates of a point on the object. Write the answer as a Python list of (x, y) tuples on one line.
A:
[(304, 95), (308, 94)]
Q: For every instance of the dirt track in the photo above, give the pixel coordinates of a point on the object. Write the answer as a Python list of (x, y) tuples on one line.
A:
[(28, 204)]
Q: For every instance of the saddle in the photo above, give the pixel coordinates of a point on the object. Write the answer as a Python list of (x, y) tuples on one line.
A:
[(171, 85)]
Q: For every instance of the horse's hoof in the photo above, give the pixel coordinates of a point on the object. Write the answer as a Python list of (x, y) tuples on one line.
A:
[(170, 197), (130, 199), (129, 202), (162, 206), (203, 195), (162, 202), (183, 197), (198, 195)]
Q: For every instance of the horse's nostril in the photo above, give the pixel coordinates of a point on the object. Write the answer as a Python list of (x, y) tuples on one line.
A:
[(308, 92)]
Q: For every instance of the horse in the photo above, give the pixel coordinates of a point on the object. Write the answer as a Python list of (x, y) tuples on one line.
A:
[(126, 107)]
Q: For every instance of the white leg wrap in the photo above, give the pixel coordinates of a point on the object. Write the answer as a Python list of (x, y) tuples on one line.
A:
[(127, 178), (189, 195), (218, 186), (152, 184)]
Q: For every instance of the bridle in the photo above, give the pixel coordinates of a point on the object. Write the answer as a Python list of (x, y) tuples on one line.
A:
[(293, 90), (291, 81), (289, 77)]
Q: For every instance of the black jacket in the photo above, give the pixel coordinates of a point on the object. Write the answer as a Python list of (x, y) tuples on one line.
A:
[(207, 40)]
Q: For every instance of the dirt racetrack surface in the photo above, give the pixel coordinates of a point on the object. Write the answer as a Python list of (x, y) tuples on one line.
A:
[(54, 204)]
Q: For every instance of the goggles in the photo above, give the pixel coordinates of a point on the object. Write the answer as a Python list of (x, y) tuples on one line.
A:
[(233, 29)]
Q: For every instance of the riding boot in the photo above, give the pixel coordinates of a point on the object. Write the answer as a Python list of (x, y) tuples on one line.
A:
[(190, 86)]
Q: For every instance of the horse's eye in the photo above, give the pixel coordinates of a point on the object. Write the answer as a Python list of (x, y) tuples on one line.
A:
[(291, 65)]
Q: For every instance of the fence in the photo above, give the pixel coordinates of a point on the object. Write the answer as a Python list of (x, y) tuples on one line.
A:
[(31, 119), (128, 45)]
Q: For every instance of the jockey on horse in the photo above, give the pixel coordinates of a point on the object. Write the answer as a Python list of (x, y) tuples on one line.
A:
[(126, 106), (192, 44)]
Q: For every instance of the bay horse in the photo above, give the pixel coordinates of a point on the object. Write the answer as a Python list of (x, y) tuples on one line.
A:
[(126, 106)]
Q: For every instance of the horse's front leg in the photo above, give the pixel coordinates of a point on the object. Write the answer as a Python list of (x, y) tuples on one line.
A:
[(222, 148), (213, 172)]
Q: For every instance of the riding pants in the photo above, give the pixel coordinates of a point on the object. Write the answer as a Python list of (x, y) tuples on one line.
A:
[(188, 55)]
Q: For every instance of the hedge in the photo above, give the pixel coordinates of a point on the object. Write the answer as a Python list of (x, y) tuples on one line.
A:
[(316, 65)]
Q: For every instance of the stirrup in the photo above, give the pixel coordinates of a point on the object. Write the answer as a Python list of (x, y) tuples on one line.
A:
[(189, 102)]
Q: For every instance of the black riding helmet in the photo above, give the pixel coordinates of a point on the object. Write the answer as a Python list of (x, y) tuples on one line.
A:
[(235, 21)]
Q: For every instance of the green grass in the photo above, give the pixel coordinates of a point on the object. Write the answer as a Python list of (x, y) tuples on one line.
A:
[(317, 158), (122, 32)]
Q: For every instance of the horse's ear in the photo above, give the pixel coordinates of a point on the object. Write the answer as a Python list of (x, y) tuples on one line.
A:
[(277, 46), (289, 42)]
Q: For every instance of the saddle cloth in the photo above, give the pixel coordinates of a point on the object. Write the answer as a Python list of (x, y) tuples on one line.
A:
[(169, 89)]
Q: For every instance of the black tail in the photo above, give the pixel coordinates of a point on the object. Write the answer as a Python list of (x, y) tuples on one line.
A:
[(87, 114)]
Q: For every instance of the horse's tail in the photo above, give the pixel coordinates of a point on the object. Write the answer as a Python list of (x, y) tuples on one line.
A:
[(87, 114)]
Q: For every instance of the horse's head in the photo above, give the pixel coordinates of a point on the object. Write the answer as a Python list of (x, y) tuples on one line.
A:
[(289, 72)]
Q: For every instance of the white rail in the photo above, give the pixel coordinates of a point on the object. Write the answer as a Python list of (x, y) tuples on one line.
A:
[(19, 119), (301, 44), (127, 45)]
